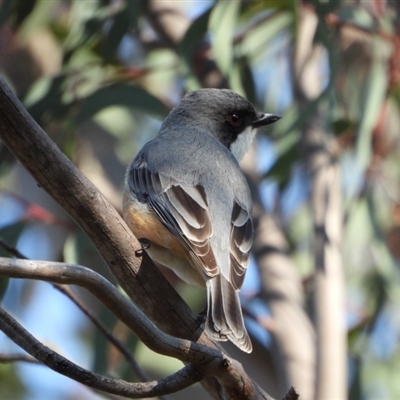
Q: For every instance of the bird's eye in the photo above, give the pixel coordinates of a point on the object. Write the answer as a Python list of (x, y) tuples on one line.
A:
[(234, 119)]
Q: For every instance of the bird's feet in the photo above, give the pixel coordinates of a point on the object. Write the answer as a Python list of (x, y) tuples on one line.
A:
[(145, 244)]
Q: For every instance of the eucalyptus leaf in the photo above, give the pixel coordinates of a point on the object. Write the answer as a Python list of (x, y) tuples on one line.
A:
[(3, 286), (223, 21), (126, 19), (101, 344), (23, 10), (123, 95), (49, 100), (5, 10), (193, 36), (247, 78), (281, 169), (374, 96), (256, 39)]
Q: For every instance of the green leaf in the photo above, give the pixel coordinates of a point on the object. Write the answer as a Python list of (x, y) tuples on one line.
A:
[(89, 19), (193, 35), (359, 16), (3, 286), (5, 10), (247, 78), (281, 170), (254, 8), (24, 8), (355, 390), (223, 20), (7, 159), (10, 235), (122, 22), (374, 96), (49, 94), (254, 42), (235, 80), (15, 11), (342, 126), (125, 370), (325, 7), (123, 95), (101, 344), (189, 45)]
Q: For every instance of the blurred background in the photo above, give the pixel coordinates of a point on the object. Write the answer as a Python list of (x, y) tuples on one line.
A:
[(321, 295)]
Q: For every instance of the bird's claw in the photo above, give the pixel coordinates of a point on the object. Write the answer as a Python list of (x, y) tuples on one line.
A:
[(145, 244)]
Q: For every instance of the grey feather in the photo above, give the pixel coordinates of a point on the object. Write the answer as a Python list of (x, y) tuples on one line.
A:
[(189, 177), (224, 315)]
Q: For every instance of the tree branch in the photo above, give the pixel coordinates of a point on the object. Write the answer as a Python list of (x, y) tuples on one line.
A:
[(206, 361), (138, 276), (185, 377), (67, 291), (136, 368), (105, 292), (63, 181), (11, 358)]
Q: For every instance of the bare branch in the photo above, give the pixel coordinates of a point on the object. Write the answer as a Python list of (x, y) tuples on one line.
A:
[(137, 369), (67, 291), (207, 361), (12, 250), (55, 173), (11, 358), (105, 292), (178, 381)]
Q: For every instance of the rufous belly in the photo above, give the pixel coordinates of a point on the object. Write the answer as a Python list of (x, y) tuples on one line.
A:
[(165, 247)]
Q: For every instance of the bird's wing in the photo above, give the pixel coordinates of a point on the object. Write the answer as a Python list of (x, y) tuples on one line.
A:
[(182, 208), (240, 245)]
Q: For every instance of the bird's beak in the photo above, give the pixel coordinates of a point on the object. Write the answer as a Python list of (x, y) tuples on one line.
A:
[(265, 119)]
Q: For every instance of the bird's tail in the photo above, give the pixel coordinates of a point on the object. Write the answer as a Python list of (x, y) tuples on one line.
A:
[(224, 314)]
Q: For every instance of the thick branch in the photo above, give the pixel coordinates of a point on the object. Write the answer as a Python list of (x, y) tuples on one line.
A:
[(113, 239)]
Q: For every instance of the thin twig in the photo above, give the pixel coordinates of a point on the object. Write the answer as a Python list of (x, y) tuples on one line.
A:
[(12, 250), (187, 376), (12, 357), (116, 302), (140, 373), (138, 370)]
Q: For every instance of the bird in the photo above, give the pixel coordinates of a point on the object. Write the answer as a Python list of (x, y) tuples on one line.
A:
[(187, 198)]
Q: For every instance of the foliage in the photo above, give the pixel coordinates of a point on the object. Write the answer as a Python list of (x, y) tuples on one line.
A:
[(100, 75)]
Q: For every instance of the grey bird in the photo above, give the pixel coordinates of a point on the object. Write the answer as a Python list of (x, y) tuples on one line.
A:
[(186, 195)]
